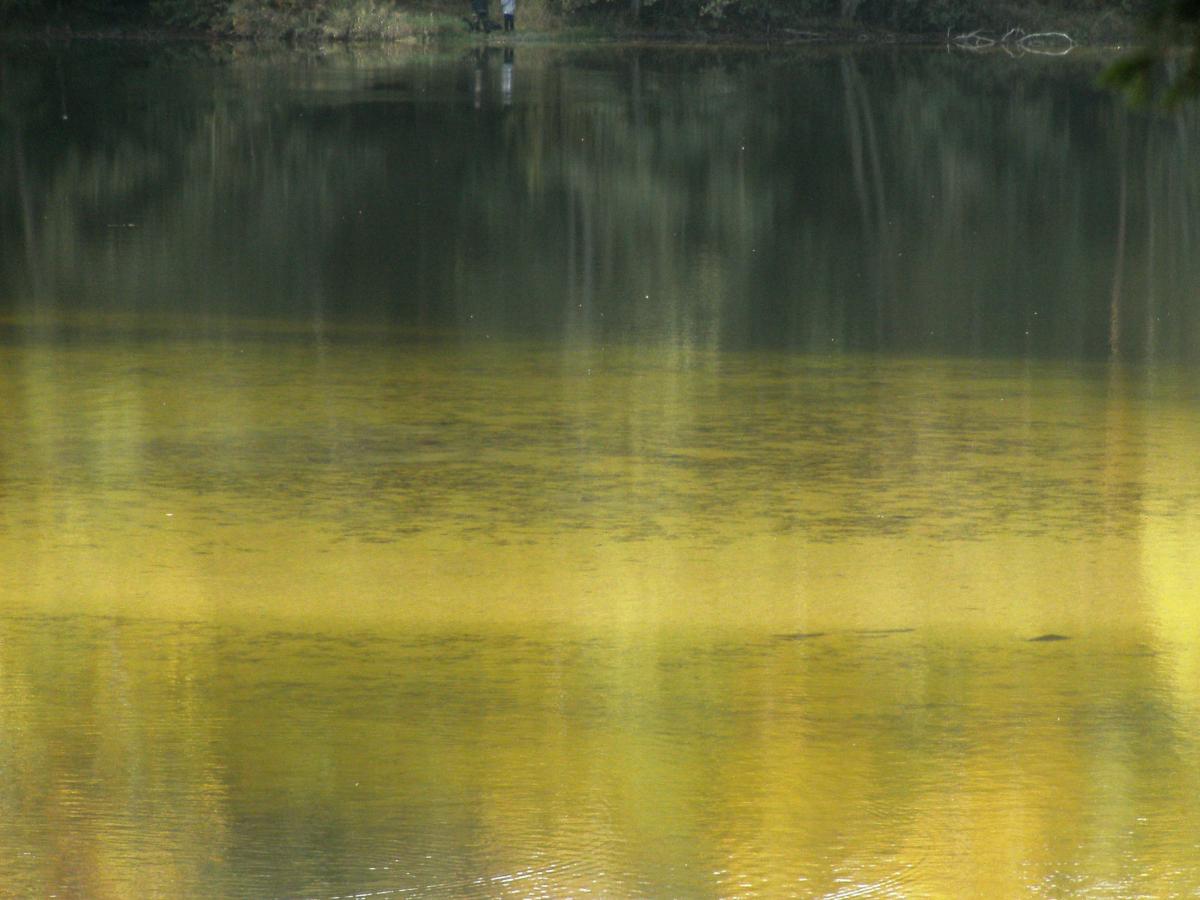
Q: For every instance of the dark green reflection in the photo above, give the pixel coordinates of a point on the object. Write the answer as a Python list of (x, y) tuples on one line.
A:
[(910, 201)]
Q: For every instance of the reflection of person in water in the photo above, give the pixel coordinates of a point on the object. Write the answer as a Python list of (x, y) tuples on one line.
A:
[(506, 73), (479, 76), (509, 9)]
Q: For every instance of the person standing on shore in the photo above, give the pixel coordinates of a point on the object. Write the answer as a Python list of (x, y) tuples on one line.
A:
[(509, 9)]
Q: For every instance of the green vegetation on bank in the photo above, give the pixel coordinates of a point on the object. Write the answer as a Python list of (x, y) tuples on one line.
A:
[(392, 19), (308, 20), (332, 20)]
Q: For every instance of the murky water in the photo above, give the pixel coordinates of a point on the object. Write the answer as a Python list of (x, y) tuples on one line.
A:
[(629, 473)]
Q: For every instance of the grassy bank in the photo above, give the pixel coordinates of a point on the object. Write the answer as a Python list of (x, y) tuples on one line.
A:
[(293, 20), (334, 20), (1086, 21)]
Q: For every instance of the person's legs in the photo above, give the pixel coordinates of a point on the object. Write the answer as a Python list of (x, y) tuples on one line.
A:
[(508, 22)]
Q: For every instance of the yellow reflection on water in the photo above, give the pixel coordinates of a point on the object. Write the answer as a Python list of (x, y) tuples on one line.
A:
[(302, 619)]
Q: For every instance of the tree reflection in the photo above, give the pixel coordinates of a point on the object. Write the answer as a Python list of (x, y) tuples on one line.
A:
[(901, 201)]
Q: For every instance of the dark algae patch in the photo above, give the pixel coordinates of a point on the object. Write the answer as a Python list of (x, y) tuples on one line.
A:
[(862, 632), (882, 632), (800, 636)]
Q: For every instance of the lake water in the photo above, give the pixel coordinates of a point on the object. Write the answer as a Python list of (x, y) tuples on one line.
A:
[(639, 473)]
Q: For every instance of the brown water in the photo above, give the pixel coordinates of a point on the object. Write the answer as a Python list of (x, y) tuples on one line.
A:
[(425, 597)]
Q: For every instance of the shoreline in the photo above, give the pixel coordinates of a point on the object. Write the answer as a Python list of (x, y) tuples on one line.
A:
[(1108, 31), (975, 41)]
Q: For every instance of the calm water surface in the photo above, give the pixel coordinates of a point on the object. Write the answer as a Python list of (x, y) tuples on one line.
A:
[(665, 474)]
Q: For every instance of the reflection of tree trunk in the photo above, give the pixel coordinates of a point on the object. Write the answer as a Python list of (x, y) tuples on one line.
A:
[(868, 185), (1151, 304), (12, 125), (580, 263), (62, 89), (589, 261), (569, 314), (635, 77), (849, 9), (28, 220), (1114, 304), (856, 144)]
